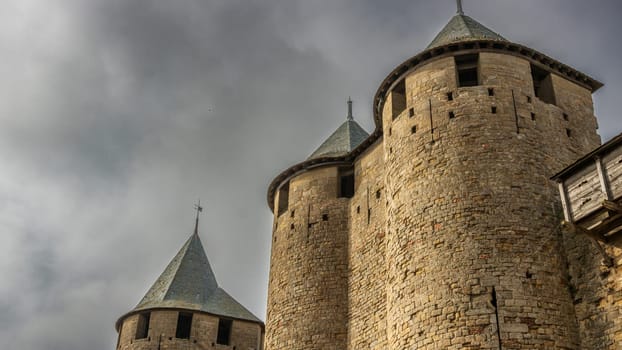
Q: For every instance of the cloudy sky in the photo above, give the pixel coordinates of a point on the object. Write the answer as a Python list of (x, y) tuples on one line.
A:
[(116, 115)]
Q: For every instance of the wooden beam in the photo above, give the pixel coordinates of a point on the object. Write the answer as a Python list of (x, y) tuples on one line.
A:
[(602, 177), (613, 206), (565, 203), (576, 229)]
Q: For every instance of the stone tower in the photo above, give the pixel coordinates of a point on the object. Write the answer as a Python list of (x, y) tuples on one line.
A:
[(440, 229), (186, 310)]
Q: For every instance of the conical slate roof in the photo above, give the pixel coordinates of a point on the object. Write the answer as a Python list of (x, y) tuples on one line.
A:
[(463, 28), (188, 282), (349, 135)]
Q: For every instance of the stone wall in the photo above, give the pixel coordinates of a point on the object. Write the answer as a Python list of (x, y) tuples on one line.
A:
[(473, 232), (203, 333), (308, 290), (367, 266), (452, 238)]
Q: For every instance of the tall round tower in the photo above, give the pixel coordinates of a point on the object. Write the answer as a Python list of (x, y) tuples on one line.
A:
[(307, 292), (473, 127)]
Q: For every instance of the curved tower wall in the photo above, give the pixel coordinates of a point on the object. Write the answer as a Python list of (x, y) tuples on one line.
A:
[(472, 223), (367, 266), (162, 327), (307, 292)]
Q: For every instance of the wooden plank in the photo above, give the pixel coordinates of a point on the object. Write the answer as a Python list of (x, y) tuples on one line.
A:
[(602, 177), (565, 203), (613, 168), (607, 225)]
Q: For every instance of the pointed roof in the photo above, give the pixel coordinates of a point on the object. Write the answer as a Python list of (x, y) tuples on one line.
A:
[(463, 28), (346, 138), (188, 282)]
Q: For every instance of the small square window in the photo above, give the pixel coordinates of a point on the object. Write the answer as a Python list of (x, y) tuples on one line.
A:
[(491, 92), (451, 115), (324, 217)]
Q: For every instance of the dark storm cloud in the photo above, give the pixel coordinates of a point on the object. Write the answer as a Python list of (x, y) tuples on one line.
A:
[(117, 115)]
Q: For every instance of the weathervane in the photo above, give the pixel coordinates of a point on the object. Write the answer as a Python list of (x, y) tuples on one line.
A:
[(350, 117), (459, 3), (199, 209)]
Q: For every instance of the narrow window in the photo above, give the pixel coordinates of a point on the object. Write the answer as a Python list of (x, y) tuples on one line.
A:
[(413, 129), (142, 327), (378, 194), (398, 99), (493, 110), (451, 115), (466, 67), (411, 112), (291, 215), (565, 116), (568, 132), (358, 209), (450, 96), (491, 92), (224, 331), (528, 99), (390, 131), (283, 198), (543, 85), (533, 116), (184, 323), (346, 183)]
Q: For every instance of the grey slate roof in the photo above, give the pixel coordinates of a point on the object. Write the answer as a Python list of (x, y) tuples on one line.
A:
[(349, 135), (188, 282), (463, 28)]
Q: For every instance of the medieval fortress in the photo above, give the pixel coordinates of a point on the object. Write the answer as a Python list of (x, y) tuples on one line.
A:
[(439, 230)]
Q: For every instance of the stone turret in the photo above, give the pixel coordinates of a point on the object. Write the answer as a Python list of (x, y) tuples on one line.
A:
[(185, 309), (439, 230)]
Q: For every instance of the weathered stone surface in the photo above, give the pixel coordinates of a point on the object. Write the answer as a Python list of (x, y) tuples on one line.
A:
[(452, 237)]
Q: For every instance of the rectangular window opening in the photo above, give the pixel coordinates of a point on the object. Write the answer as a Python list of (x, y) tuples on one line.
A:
[(528, 99), (452, 115), (413, 129), (568, 132), (184, 324), (411, 112), (491, 92), (283, 199), (565, 116), (467, 70), (493, 110), (224, 331), (346, 183), (398, 99), (450, 96), (142, 327), (533, 116), (543, 84)]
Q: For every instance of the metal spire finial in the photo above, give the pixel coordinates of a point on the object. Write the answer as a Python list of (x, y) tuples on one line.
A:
[(350, 117), (199, 209), (459, 3)]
